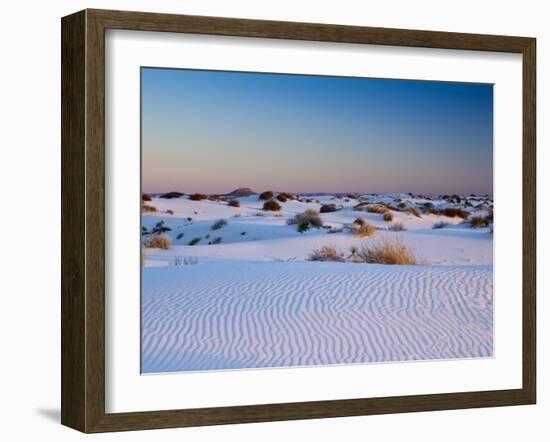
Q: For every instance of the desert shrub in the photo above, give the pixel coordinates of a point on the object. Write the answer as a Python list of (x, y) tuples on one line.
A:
[(267, 195), (198, 197), (414, 211), (180, 236), (282, 198), (310, 217), (453, 212), (234, 203), (194, 241), (386, 251), (396, 227), (363, 230), (272, 205), (351, 196), (259, 214), (219, 224), (145, 197), (401, 205), (376, 208), (440, 225), (158, 229), (217, 240), (479, 221), (148, 209), (433, 211), (159, 242), (388, 217), (170, 195), (303, 227), (327, 208), (359, 221), (326, 253), (170, 212)]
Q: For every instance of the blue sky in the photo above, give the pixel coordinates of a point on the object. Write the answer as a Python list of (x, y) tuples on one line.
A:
[(214, 131)]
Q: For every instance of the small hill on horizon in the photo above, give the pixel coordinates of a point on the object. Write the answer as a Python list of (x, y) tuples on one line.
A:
[(242, 191)]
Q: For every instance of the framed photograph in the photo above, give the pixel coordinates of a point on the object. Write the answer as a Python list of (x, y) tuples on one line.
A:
[(267, 221)]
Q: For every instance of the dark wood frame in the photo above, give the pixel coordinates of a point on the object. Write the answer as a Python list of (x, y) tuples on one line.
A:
[(83, 220)]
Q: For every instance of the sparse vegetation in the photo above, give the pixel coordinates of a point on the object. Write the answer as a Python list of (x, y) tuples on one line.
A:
[(198, 197), (479, 221), (326, 253), (282, 198), (145, 197), (194, 241), (440, 225), (362, 229), (305, 220), (267, 195), (219, 224), (376, 208), (414, 211), (396, 227), (327, 208), (401, 205), (170, 212), (271, 205), (388, 217), (453, 212), (159, 242), (234, 203), (385, 251), (158, 229), (170, 195), (146, 208), (217, 240), (180, 236)]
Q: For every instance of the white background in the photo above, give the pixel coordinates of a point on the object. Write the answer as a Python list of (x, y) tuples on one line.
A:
[(128, 391), (30, 185)]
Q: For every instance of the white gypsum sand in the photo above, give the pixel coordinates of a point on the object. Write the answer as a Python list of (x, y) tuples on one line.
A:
[(245, 295)]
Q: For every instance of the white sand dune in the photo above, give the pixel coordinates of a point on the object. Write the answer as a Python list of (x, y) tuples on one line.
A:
[(237, 314)]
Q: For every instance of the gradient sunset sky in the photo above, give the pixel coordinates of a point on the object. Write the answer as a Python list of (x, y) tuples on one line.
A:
[(213, 131)]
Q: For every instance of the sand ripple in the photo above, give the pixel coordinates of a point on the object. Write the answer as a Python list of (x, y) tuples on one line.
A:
[(239, 315)]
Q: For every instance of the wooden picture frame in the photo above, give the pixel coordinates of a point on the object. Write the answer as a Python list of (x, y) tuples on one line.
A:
[(83, 220)]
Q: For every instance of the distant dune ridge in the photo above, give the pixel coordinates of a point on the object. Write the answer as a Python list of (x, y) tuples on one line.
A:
[(242, 191)]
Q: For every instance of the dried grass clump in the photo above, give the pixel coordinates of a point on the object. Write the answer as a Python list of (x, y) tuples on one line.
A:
[(272, 205), (414, 211), (396, 227), (433, 211), (308, 218), (282, 198), (453, 212), (327, 208), (326, 253), (159, 242), (219, 224), (145, 197), (234, 203), (198, 197), (148, 209), (376, 208), (385, 251), (388, 217), (362, 229), (440, 225), (267, 195)]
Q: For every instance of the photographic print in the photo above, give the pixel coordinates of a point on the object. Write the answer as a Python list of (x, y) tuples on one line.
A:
[(307, 220)]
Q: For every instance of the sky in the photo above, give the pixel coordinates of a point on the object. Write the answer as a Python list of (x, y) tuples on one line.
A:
[(215, 131)]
